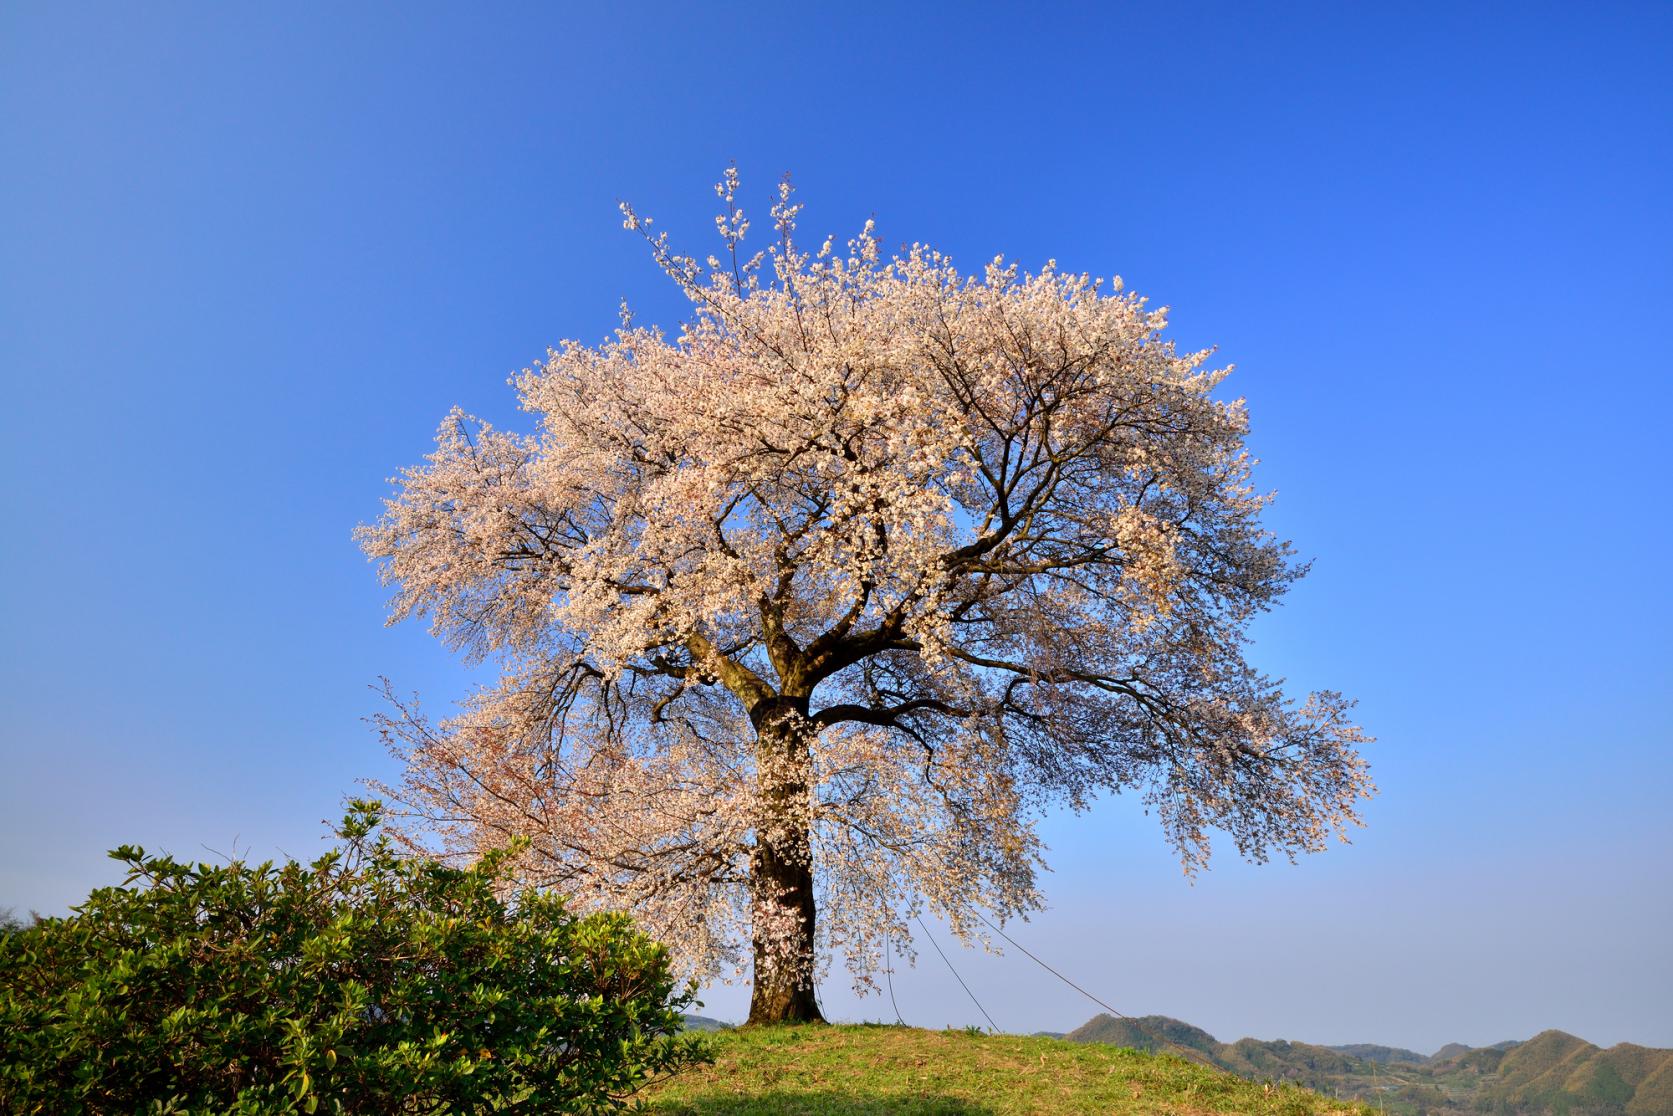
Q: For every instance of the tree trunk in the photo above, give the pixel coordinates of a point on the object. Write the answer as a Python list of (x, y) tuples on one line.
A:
[(781, 872)]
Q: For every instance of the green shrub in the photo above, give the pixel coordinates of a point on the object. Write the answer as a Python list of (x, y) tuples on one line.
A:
[(363, 982)]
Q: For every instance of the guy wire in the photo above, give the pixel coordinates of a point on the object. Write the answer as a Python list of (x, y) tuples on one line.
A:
[(1190, 1054), (992, 1026)]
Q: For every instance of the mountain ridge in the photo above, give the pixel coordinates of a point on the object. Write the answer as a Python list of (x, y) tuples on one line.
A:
[(1553, 1072)]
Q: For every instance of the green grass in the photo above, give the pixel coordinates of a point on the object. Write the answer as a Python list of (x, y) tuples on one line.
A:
[(849, 1071)]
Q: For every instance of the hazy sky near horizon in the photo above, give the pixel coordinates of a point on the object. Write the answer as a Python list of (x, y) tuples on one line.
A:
[(249, 257)]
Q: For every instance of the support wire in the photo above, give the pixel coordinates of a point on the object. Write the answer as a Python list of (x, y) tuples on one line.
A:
[(1190, 1054), (992, 1026)]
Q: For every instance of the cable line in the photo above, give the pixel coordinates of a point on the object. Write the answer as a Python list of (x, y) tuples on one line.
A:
[(992, 1026), (1189, 1053), (889, 974)]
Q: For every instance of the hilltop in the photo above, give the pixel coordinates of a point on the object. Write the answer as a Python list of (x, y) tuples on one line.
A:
[(904, 1071), (1553, 1072)]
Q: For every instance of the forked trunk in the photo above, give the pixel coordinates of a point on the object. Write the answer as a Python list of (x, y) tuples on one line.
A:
[(781, 875)]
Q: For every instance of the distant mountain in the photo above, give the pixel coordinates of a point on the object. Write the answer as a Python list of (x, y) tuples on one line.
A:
[(1386, 1055), (704, 1023), (1150, 1032), (1557, 1072), (1551, 1074)]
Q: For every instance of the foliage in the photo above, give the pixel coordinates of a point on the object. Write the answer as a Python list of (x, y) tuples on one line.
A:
[(814, 607), (854, 1071), (363, 982)]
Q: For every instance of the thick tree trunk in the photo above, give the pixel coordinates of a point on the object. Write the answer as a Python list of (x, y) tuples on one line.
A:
[(784, 923), (781, 873)]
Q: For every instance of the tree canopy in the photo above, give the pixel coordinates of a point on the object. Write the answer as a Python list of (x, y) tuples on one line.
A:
[(807, 611)]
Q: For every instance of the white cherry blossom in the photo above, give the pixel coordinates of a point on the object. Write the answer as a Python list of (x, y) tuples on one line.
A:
[(806, 613)]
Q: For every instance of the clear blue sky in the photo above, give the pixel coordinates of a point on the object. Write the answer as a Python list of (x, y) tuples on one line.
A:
[(249, 257)]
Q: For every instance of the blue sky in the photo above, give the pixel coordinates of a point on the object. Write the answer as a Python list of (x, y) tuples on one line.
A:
[(250, 256)]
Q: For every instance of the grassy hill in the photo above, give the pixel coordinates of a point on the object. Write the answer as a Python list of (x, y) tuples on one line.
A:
[(903, 1071)]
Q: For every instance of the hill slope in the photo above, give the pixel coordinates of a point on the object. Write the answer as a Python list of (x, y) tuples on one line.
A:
[(870, 1070)]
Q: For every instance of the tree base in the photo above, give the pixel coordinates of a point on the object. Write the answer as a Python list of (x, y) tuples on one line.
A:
[(787, 1006)]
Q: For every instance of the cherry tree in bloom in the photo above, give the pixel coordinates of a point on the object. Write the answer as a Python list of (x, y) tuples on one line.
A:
[(805, 614)]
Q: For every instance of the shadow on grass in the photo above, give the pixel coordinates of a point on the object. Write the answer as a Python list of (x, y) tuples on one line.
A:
[(828, 1103)]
